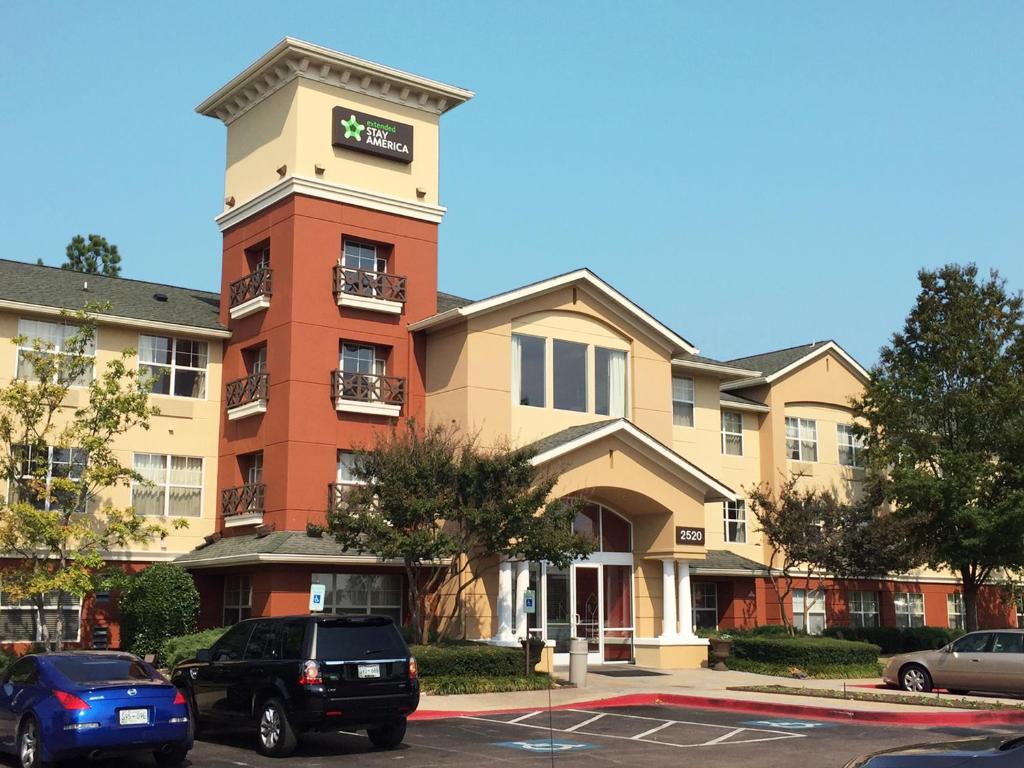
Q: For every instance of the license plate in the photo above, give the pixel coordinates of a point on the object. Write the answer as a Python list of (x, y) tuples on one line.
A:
[(369, 670), (133, 716)]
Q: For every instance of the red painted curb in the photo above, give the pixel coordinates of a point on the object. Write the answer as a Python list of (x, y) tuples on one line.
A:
[(961, 718)]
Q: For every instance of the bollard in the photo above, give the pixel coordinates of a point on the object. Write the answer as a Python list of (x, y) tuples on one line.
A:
[(578, 662)]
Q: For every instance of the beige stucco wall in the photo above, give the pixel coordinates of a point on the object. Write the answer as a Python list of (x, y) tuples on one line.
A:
[(292, 128), (186, 427)]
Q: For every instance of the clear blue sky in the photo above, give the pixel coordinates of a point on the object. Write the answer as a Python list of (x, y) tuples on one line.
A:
[(756, 175)]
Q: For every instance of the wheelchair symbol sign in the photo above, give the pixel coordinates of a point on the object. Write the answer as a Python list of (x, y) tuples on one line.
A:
[(317, 592), (546, 745), (788, 725)]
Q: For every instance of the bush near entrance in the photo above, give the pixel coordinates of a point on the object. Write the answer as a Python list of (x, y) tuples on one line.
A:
[(158, 603), (178, 649), (468, 659), (893, 640), (804, 650)]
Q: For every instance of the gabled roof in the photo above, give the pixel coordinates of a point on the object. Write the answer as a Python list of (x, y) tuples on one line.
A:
[(729, 400), (774, 365), (722, 562), (47, 290), (727, 371), (279, 547), (674, 341), (568, 440), (446, 301)]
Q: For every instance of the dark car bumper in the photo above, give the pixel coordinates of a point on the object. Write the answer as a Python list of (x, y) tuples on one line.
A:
[(104, 741), (322, 712)]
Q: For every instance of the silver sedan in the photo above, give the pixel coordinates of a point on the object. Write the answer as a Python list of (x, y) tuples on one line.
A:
[(991, 660)]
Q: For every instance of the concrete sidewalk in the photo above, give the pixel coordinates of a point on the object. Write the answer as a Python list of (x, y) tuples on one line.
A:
[(615, 682)]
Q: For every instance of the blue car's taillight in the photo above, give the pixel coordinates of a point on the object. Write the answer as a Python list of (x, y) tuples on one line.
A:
[(69, 701)]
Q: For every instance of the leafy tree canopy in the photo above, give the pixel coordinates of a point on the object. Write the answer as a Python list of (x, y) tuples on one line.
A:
[(94, 256)]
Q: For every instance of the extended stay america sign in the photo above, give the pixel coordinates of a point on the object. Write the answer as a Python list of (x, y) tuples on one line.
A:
[(375, 135)]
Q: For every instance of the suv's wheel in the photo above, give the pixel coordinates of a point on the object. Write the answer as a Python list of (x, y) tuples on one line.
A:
[(30, 747), (275, 736), (915, 678), (387, 736)]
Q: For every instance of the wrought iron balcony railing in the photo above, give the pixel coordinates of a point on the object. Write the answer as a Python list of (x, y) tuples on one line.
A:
[(249, 287), (243, 500), (251, 389), (370, 285), (368, 388)]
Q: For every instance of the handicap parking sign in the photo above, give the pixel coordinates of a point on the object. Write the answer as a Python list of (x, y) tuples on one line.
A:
[(546, 745), (317, 592), (788, 725)]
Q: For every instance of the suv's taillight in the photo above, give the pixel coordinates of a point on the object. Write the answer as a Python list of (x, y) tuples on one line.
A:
[(413, 669), (311, 674)]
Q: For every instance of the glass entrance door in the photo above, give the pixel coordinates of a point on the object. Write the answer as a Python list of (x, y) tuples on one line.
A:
[(588, 608)]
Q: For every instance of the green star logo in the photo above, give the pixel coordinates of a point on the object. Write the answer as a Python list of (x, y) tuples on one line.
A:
[(353, 128)]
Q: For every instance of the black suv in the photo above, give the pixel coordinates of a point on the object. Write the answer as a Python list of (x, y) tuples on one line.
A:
[(299, 673)]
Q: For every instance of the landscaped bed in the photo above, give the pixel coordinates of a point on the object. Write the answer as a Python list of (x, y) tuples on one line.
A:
[(885, 698), (802, 656)]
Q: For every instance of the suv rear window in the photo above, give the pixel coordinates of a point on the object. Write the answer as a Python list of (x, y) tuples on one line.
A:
[(96, 670), (352, 639)]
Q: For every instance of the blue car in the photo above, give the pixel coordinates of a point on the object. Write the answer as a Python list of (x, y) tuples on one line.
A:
[(89, 704)]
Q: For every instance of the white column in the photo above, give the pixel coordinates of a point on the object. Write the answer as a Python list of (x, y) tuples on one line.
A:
[(685, 599), (504, 604), (522, 584), (668, 598)]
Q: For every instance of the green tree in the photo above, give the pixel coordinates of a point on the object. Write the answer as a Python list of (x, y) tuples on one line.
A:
[(157, 604), (57, 461), (448, 509), (94, 256), (944, 416)]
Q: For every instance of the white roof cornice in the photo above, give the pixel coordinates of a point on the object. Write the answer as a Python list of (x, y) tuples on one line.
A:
[(818, 351), (292, 58), (580, 276)]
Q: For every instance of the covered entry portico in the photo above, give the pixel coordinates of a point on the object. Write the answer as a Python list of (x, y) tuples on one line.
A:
[(631, 598)]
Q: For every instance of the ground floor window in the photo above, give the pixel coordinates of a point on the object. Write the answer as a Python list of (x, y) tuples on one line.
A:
[(809, 610), (350, 593), (19, 619), (955, 610), (705, 605), (237, 599), (909, 609), (863, 608)]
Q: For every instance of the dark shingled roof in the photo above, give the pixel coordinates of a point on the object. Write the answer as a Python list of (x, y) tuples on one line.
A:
[(729, 397), (722, 560), (277, 543), (773, 362), (62, 288), (566, 436), (446, 301)]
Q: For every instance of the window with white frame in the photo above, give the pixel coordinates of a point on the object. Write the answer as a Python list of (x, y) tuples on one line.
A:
[(346, 469), (569, 375), (863, 607), (811, 603), (39, 467), (705, 605), (732, 433), (364, 256), (177, 366), (801, 439), (19, 619), (909, 609), (528, 370), (735, 520), (360, 593), (175, 487), (682, 401), (237, 598), (52, 339), (610, 382), (955, 610), (850, 445)]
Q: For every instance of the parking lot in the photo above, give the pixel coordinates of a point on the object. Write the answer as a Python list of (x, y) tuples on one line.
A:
[(653, 736)]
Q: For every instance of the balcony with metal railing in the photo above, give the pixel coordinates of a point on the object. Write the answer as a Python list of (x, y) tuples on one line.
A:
[(373, 291), (247, 396), (250, 294), (243, 505), (368, 393)]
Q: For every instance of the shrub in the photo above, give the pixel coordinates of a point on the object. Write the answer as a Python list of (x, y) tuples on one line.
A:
[(804, 651), (766, 630), (6, 659), (894, 640), (823, 672), (177, 649), (159, 603), (447, 685), (469, 659)]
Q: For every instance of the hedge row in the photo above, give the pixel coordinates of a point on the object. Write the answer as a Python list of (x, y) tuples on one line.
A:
[(473, 659), (177, 649), (804, 651), (893, 640)]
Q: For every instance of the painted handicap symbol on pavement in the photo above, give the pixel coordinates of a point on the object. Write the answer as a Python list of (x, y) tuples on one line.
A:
[(546, 745), (789, 725)]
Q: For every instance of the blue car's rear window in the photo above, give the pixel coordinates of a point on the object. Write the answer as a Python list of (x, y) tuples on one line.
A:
[(95, 670)]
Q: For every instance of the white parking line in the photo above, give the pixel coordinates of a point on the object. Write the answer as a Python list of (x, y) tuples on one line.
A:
[(585, 722), (726, 739)]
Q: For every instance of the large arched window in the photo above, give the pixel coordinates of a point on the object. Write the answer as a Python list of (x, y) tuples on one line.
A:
[(610, 531)]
